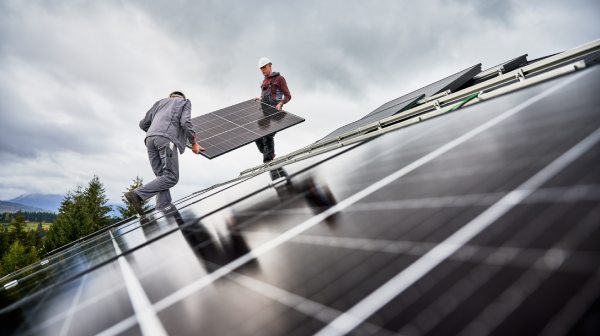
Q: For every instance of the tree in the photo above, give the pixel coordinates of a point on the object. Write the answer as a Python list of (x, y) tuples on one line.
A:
[(40, 230), (95, 206), (81, 212), (4, 240), (18, 231), (18, 247), (58, 232), (18, 256), (128, 210)]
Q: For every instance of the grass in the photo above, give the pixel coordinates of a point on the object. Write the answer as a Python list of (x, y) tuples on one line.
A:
[(32, 226)]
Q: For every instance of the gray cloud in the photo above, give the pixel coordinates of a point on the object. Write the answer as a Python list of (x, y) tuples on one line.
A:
[(499, 11), (76, 76)]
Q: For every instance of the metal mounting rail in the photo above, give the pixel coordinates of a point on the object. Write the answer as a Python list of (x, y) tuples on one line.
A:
[(434, 97), (522, 74)]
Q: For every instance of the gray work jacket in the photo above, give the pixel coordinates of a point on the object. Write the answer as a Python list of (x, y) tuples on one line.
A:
[(170, 118)]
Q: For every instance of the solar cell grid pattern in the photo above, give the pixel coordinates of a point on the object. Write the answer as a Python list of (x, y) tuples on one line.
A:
[(407, 101), (226, 129), (482, 221)]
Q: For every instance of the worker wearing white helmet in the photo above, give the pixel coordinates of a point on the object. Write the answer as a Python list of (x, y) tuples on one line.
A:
[(274, 92)]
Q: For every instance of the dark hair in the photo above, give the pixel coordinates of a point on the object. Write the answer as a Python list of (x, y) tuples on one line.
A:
[(177, 93)]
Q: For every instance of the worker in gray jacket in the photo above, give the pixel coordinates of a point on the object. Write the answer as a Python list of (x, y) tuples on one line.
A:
[(167, 125)]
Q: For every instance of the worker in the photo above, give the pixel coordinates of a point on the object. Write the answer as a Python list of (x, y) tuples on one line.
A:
[(167, 125), (274, 92)]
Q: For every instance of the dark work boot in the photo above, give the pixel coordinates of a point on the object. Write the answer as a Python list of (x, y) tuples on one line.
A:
[(268, 157), (135, 201)]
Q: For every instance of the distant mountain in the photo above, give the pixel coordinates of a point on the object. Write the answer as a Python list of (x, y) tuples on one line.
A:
[(114, 209), (48, 202), (43, 203), (14, 207)]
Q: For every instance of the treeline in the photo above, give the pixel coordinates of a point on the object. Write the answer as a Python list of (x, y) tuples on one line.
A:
[(18, 246), (82, 211), (47, 217)]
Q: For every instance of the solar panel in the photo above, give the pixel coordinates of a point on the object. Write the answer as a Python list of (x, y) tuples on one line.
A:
[(483, 221), (229, 128), (501, 68), (452, 83), (382, 113)]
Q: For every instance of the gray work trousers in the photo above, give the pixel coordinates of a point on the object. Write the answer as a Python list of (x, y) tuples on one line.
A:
[(164, 158)]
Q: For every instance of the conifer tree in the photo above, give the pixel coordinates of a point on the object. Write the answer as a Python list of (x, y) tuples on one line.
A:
[(95, 206), (4, 240), (40, 230), (58, 233), (14, 258), (17, 225), (18, 246)]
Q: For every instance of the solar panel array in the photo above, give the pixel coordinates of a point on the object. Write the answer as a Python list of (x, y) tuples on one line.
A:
[(229, 128), (483, 221), (504, 67), (452, 83)]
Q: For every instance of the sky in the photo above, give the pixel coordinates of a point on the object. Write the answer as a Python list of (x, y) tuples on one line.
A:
[(77, 76)]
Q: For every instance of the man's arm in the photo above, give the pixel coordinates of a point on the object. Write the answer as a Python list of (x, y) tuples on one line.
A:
[(286, 92), (147, 121), (186, 124)]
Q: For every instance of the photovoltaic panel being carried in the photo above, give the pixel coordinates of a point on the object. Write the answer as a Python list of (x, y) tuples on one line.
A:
[(229, 128)]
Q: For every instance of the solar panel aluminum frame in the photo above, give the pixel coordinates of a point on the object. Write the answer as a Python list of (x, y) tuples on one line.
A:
[(409, 103), (229, 125), (500, 69)]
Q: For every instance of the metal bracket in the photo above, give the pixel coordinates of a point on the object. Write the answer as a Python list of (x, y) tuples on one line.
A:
[(279, 182), (436, 104), (580, 65), (520, 75), (11, 284)]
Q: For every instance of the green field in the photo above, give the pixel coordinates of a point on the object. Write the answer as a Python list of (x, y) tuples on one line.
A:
[(33, 225)]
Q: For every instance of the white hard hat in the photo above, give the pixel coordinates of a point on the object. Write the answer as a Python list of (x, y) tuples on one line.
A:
[(263, 61)]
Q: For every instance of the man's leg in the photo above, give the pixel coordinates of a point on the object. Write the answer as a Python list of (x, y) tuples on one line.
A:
[(269, 151), (163, 198), (165, 164), (260, 143), (135, 198)]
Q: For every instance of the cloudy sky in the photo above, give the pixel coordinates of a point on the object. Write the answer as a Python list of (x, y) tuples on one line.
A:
[(76, 76)]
